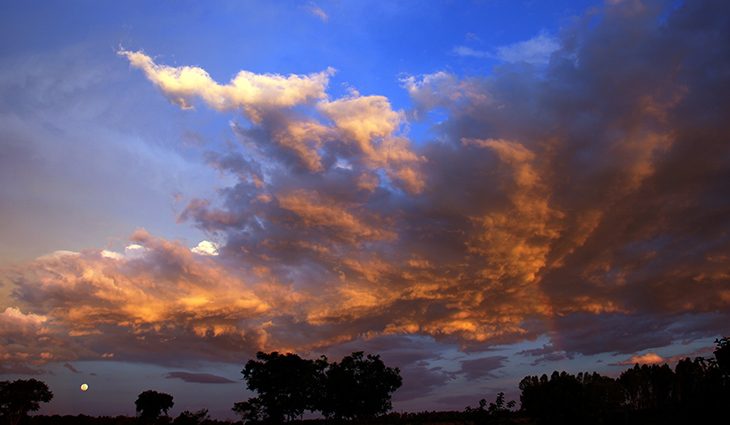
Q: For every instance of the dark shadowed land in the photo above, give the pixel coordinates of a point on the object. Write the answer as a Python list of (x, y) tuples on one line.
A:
[(358, 389)]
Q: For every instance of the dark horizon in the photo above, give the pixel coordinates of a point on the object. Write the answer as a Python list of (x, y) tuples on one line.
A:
[(359, 387)]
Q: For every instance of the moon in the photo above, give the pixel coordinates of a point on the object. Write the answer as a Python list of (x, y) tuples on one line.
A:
[(84, 387)]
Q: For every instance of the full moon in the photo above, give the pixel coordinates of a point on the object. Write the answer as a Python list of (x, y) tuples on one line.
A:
[(84, 387)]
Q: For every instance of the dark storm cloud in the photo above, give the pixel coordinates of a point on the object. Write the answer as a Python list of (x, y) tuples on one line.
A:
[(587, 199), (199, 378)]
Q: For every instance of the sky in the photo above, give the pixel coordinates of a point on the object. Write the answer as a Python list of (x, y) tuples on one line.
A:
[(475, 190)]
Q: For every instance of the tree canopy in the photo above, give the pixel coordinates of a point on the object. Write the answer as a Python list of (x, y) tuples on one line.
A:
[(150, 404), (19, 397), (287, 386), (694, 392), (359, 386)]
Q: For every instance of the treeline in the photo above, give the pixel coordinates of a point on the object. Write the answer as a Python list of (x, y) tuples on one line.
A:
[(358, 389), (696, 391)]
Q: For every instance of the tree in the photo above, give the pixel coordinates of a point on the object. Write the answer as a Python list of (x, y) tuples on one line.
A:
[(722, 355), (570, 399), (19, 397), (648, 387), (150, 404), (251, 411), (359, 387), (191, 418), (286, 385), (482, 413)]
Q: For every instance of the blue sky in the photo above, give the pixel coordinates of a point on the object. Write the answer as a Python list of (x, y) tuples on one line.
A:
[(479, 190)]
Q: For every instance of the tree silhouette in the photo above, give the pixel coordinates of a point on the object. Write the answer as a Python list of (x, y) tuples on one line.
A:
[(497, 409), (191, 418), (570, 399), (359, 387), (251, 411), (286, 384), (150, 404), (722, 355), (19, 397), (648, 387)]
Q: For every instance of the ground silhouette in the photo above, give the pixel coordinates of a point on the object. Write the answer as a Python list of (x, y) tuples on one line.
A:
[(695, 391)]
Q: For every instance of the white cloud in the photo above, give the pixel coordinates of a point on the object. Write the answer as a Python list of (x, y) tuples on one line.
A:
[(207, 248), (254, 93), (112, 255), (536, 50), (317, 11), (134, 251), (469, 52)]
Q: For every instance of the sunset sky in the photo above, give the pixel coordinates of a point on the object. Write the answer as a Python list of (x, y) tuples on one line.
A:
[(476, 190)]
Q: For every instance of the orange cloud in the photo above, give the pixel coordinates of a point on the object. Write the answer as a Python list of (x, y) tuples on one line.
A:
[(648, 358)]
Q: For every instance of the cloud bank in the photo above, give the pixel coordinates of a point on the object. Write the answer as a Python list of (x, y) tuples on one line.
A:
[(586, 201)]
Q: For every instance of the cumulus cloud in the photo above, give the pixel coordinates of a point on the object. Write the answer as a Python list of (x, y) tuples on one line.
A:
[(362, 129), (584, 201), (26, 342), (99, 306), (206, 248), (253, 93)]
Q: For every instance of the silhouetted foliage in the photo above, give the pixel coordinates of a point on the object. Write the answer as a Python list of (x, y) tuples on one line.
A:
[(251, 411), (358, 387), (115, 420), (722, 355), (150, 404), (648, 386), (286, 385), (696, 391), (19, 397), (566, 399), (191, 418), (485, 414)]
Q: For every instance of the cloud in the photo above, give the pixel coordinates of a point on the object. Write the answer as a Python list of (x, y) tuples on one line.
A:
[(206, 248), (317, 11), (536, 50), (361, 129), (481, 367), (199, 378), (584, 201), (71, 367), (129, 306), (26, 341), (647, 358), (467, 51), (254, 93)]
